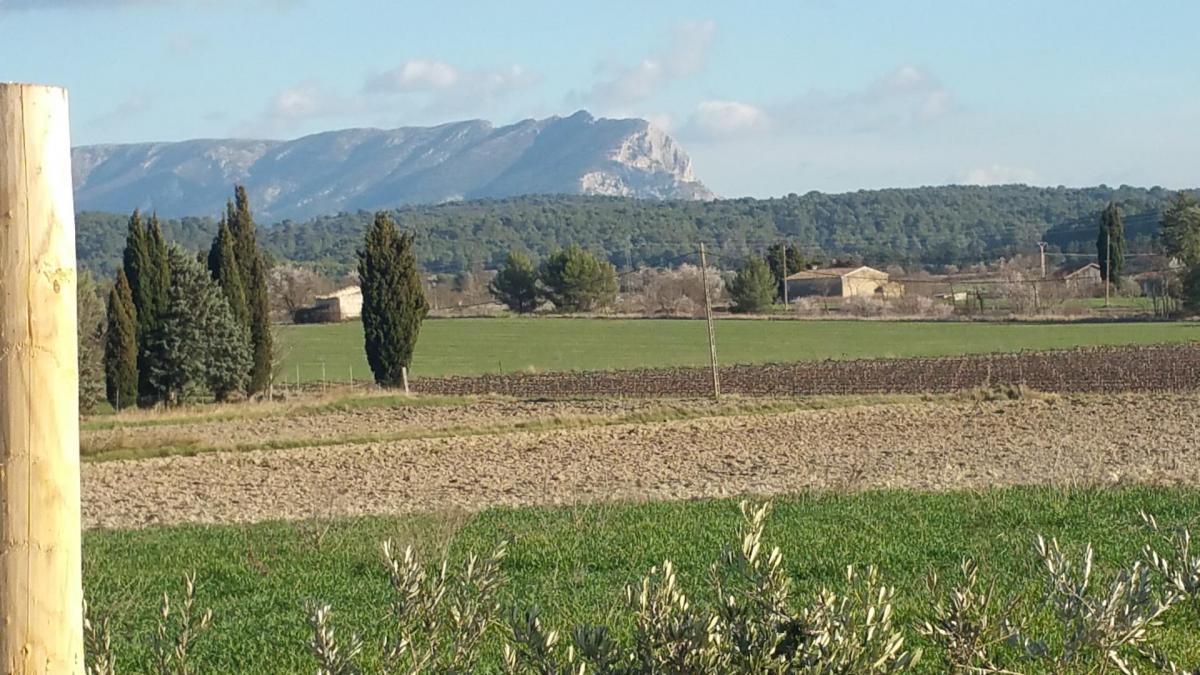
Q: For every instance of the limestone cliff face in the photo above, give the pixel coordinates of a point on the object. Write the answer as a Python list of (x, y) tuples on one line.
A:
[(375, 168)]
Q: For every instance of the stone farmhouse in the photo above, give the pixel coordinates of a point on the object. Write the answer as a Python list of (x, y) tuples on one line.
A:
[(843, 282), (341, 305)]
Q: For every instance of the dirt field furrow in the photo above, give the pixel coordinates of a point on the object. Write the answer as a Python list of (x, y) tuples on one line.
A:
[(1146, 438)]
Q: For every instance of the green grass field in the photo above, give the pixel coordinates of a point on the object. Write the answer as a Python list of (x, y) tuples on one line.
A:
[(475, 346), (574, 562)]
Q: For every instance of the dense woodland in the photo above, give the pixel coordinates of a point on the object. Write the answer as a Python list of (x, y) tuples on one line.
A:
[(929, 226)]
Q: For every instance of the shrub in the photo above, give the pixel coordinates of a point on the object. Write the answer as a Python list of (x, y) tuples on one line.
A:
[(678, 291), (441, 620)]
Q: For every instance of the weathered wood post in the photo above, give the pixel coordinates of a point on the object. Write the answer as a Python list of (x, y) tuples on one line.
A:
[(41, 594)]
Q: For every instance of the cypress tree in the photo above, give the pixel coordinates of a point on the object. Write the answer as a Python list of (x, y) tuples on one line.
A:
[(252, 269), (393, 299), (138, 273), (90, 326), (223, 265), (151, 301), (1110, 244), (120, 346)]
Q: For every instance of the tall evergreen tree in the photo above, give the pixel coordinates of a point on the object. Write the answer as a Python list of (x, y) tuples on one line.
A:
[(253, 272), (90, 325), (197, 347), (516, 284), (120, 346), (224, 267), (139, 273), (1110, 244), (393, 299)]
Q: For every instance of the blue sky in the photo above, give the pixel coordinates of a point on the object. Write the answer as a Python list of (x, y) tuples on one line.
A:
[(767, 97)]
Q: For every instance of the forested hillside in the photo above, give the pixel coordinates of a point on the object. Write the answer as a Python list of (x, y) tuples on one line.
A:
[(931, 225)]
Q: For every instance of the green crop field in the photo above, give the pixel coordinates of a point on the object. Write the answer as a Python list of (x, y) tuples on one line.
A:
[(574, 562), (475, 346)]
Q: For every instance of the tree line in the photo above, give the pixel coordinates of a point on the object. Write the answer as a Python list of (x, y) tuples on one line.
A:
[(919, 226)]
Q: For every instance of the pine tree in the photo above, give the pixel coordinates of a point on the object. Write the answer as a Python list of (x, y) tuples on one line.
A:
[(120, 346), (577, 281), (90, 325), (224, 267), (516, 284), (253, 273), (753, 289), (393, 299), (197, 347), (1110, 244)]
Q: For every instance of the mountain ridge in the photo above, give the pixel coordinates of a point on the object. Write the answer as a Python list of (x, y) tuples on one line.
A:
[(367, 168)]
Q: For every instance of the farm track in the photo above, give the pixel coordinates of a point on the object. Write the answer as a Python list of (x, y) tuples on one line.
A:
[(331, 426), (1091, 370), (1141, 438)]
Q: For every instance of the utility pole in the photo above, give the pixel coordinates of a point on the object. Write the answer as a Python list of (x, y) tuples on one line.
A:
[(41, 586), (708, 317), (1107, 264), (1037, 285), (783, 267)]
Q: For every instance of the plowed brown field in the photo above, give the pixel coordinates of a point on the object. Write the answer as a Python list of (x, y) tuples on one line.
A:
[(1080, 439)]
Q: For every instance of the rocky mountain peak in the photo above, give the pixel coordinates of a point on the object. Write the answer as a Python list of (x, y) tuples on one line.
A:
[(376, 168)]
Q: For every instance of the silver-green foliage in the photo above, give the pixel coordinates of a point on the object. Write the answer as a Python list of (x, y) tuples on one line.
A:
[(443, 620)]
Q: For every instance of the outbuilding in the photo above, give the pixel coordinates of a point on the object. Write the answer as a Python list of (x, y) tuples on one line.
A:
[(341, 305), (843, 282)]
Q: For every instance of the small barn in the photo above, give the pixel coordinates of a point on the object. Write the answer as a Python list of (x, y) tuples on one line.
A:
[(1083, 279), (843, 282), (341, 305)]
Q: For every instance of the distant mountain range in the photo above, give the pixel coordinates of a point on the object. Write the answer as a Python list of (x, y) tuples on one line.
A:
[(371, 169)]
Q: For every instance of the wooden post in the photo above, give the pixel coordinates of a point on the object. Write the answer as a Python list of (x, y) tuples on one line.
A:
[(708, 317), (41, 590), (1107, 265)]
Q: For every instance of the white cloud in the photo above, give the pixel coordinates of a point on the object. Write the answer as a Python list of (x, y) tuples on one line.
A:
[(724, 119), (998, 175), (413, 75), (684, 55), (294, 106), (301, 101), (663, 121), (443, 88)]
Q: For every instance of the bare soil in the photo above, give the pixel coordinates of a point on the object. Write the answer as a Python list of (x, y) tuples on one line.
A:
[(1134, 438)]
